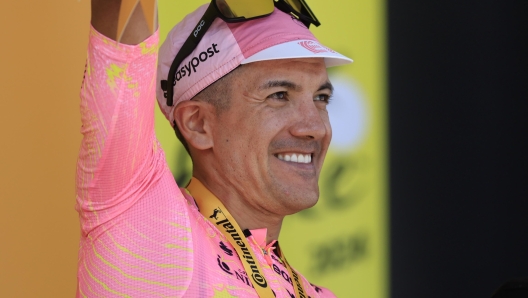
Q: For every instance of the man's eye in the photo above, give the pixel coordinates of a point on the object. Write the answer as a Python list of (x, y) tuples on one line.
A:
[(322, 97), (279, 95)]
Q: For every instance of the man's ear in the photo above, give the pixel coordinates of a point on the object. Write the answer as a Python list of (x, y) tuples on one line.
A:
[(194, 119)]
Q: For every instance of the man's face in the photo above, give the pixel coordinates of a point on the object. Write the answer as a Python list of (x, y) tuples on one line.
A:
[(271, 142)]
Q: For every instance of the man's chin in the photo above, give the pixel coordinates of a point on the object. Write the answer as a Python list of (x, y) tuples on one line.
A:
[(298, 199), (296, 190)]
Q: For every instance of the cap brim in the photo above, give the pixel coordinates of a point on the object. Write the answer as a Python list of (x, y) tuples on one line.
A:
[(300, 49)]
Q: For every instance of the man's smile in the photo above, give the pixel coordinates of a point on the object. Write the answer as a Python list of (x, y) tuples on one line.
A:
[(295, 157)]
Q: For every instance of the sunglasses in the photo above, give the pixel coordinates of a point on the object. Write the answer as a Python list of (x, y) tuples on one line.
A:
[(232, 11)]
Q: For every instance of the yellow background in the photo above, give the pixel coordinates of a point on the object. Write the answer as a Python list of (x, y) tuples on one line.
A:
[(43, 54)]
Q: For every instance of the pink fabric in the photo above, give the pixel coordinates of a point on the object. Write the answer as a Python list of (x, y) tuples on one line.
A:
[(259, 34), (140, 236), (260, 236), (223, 58), (234, 41)]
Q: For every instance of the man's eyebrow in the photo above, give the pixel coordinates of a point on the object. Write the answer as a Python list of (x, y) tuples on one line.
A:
[(280, 83), (328, 86), (293, 86)]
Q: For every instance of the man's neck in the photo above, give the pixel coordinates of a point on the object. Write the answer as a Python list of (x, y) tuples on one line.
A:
[(247, 216)]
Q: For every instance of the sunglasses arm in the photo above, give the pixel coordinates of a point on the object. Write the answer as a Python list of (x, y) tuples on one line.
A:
[(188, 46), (307, 21)]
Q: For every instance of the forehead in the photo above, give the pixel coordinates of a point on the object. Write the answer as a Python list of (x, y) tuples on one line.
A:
[(288, 64), (302, 71)]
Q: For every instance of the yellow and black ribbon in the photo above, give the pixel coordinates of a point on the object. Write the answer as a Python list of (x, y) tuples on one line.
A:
[(214, 211)]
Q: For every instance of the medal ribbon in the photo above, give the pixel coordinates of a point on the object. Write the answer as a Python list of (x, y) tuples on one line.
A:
[(214, 211), (296, 279)]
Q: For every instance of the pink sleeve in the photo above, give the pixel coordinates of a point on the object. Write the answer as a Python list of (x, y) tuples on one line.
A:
[(135, 239), (119, 158)]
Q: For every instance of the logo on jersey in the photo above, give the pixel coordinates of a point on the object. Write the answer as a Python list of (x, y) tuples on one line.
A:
[(223, 265), (226, 249)]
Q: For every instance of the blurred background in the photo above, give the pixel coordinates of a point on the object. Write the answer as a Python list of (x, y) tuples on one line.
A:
[(425, 189)]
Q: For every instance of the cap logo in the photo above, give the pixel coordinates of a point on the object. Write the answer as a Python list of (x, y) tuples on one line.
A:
[(190, 67), (314, 47)]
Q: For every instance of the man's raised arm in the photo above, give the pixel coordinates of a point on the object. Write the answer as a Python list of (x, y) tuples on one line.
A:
[(105, 15), (119, 158), (135, 233)]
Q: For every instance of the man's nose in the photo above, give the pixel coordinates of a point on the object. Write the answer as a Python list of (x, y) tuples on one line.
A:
[(311, 122)]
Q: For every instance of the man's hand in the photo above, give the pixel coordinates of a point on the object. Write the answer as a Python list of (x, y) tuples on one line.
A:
[(105, 15)]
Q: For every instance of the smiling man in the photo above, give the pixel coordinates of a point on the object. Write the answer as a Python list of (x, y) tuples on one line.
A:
[(248, 100)]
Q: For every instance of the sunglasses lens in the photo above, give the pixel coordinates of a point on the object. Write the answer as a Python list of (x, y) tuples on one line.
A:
[(301, 7), (244, 8), (296, 5)]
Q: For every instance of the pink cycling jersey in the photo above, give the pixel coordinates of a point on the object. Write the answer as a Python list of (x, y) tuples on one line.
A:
[(141, 236)]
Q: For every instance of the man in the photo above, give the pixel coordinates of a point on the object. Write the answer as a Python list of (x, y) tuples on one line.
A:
[(249, 104)]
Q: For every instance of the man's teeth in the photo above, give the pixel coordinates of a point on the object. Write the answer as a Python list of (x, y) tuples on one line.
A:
[(299, 158)]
